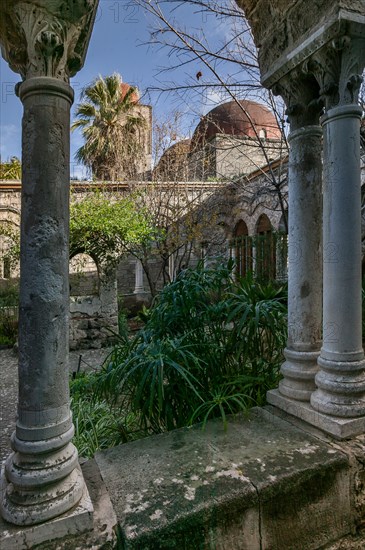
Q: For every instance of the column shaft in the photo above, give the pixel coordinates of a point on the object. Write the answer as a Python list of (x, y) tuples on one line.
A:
[(42, 478), (341, 380), (304, 265), (139, 286)]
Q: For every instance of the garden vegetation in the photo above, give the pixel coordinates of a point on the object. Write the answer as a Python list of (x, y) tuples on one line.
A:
[(210, 347)]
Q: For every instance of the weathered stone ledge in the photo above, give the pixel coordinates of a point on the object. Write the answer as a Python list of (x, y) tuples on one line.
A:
[(264, 484)]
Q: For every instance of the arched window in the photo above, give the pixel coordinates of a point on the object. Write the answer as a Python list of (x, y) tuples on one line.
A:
[(9, 242), (84, 276), (265, 249), (6, 268), (242, 249)]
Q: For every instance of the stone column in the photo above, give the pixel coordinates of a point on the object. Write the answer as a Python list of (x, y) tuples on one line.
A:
[(341, 379), (172, 267), (304, 244), (304, 264), (42, 475), (203, 255), (42, 478), (139, 286)]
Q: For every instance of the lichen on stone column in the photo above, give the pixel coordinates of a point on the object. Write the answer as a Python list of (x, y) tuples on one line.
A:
[(300, 93), (46, 43)]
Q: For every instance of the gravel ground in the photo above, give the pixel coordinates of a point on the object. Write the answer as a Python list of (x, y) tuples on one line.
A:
[(90, 359)]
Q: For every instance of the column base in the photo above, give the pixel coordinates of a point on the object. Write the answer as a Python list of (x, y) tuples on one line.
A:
[(340, 388), (298, 373), (39, 486), (76, 521), (339, 428)]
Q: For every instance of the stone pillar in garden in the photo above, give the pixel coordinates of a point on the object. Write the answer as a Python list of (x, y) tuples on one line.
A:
[(338, 67), (139, 286), (46, 43), (304, 239)]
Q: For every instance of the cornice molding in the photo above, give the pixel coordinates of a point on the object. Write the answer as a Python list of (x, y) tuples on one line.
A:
[(344, 24)]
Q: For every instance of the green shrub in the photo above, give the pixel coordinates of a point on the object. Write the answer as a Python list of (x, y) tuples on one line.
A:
[(9, 301), (9, 297), (122, 322), (209, 347), (98, 424), (8, 329)]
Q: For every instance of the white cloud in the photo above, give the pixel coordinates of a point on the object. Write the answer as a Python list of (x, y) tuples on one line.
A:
[(214, 97)]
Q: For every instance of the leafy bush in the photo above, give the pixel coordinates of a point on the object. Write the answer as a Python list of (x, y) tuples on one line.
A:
[(9, 300), (8, 329), (98, 424), (9, 296), (209, 347)]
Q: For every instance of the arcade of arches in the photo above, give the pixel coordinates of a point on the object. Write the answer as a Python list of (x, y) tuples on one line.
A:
[(264, 253)]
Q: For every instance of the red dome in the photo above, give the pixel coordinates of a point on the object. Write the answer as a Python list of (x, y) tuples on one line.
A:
[(239, 118)]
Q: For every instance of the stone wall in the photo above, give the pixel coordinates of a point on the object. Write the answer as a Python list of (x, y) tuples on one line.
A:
[(279, 25), (226, 156), (93, 310), (90, 327)]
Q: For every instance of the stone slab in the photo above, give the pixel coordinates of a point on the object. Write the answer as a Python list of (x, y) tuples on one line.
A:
[(239, 488), (75, 522), (339, 428)]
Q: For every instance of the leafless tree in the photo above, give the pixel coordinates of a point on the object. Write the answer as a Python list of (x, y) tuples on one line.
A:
[(181, 223), (227, 70)]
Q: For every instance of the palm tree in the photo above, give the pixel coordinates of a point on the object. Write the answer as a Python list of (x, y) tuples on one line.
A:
[(11, 170), (111, 128)]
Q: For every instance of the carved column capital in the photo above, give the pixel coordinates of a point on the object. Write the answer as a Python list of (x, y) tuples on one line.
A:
[(46, 37), (338, 67), (300, 93)]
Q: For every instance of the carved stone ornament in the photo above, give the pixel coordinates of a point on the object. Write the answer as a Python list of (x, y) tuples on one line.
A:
[(46, 37), (338, 68), (301, 96)]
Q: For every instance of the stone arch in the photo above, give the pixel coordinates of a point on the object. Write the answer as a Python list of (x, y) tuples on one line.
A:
[(265, 249), (10, 218), (93, 302), (263, 225), (241, 229), (84, 275), (241, 249)]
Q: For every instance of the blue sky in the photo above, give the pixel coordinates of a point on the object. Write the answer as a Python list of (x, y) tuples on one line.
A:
[(118, 44)]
